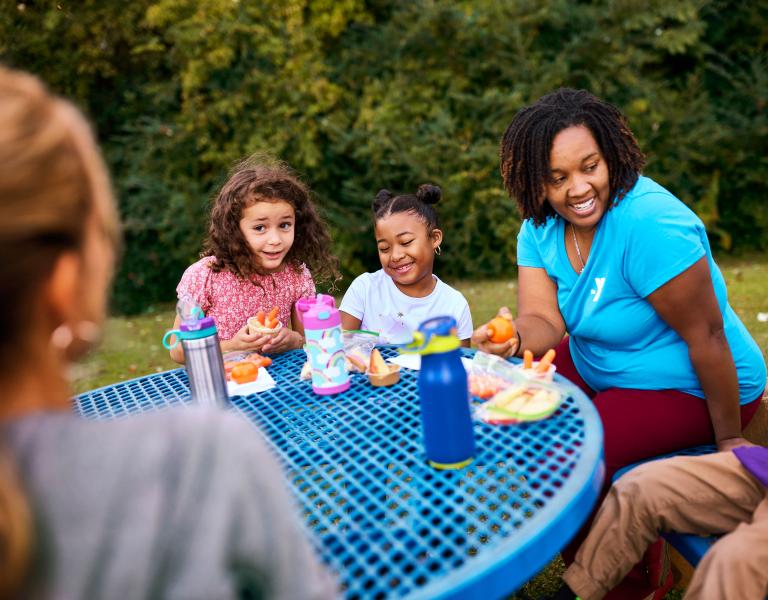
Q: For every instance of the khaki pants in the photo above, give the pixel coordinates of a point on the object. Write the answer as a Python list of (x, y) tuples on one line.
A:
[(704, 495)]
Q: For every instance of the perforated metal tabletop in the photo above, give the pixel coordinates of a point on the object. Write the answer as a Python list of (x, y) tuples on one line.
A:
[(388, 524)]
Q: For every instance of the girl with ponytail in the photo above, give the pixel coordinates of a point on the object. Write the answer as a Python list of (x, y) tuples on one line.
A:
[(404, 292)]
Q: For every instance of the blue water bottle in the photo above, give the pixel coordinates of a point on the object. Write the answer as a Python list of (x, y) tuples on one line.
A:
[(446, 422)]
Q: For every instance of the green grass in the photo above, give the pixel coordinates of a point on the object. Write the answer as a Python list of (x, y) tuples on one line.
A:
[(132, 347)]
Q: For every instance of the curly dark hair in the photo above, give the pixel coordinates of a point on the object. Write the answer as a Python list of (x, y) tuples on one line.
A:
[(386, 203), (527, 143), (261, 180)]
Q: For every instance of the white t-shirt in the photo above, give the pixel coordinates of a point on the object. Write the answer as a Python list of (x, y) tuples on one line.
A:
[(375, 300)]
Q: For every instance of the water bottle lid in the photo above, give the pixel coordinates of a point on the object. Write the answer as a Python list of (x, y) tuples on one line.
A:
[(198, 324), (438, 326), (435, 336)]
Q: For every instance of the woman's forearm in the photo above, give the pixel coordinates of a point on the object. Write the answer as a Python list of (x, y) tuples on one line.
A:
[(714, 366), (537, 334)]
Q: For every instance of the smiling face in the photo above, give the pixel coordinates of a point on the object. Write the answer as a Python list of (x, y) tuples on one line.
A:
[(407, 252), (578, 187), (268, 227)]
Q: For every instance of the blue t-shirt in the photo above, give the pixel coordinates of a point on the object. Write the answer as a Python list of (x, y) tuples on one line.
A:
[(617, 338)]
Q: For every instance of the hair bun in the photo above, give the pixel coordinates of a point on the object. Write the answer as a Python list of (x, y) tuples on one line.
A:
[(382, 197), (429, 194)]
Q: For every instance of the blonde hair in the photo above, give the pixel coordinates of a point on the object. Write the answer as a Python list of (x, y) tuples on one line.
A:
[(52, 180)]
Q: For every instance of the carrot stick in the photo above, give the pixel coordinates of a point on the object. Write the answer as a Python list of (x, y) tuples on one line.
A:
[(527, 359), (546, 361)]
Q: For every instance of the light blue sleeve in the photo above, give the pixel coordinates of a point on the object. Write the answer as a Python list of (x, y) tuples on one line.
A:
[(664, 239), (528, 254), (353, 302)]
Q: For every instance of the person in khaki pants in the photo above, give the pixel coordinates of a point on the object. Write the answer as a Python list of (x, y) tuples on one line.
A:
[(722, 494)]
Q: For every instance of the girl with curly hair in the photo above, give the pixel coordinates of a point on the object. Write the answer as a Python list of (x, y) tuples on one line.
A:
[(266, 241)]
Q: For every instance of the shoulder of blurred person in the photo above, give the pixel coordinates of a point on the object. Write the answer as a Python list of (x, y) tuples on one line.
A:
[(187, 502)]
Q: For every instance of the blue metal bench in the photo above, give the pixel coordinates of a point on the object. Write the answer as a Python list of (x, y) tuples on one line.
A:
[(691, 547)]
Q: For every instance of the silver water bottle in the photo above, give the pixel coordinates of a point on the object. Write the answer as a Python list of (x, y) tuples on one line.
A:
[(205, 366)]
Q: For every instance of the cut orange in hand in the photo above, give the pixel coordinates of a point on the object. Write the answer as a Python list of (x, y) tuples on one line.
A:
[(500, 330)]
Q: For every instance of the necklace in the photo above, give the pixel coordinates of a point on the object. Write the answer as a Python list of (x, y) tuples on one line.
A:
[(578, 250)]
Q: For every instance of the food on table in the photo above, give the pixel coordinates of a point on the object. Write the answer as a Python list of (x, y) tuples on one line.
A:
[(255, 360), (244, 372), (484, 385), (519, 403), (543, 369), (357, 361), (377, 362), (500, 329), (381, 373), (546, 361), (265, 322), (527, 359)]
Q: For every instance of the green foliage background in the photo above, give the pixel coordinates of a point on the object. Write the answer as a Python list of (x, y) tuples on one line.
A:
[(360, 95)]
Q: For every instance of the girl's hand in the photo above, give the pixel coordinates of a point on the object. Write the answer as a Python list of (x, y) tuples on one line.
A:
[(243, 340), (284, 340), (481, 335)]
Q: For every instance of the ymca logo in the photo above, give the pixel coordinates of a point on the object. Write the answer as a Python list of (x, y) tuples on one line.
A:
[(595, 293)]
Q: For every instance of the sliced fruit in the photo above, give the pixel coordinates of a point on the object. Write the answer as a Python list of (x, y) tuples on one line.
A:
[(377, 363)]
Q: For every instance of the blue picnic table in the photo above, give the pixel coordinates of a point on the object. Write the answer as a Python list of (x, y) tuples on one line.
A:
[(389, 525)]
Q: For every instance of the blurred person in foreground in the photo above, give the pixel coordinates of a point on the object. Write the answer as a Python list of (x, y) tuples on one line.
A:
[(186, 503)]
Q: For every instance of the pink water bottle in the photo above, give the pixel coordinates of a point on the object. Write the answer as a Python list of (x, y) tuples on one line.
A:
[(324, 346)]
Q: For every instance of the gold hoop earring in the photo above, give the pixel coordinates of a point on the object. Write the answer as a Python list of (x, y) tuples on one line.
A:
[(438, 251)]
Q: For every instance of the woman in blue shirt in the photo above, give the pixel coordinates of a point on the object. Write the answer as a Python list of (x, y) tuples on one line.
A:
[(625, 268)]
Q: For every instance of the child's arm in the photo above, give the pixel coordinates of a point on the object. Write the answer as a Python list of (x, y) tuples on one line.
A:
[(349, 322), (177, 352)]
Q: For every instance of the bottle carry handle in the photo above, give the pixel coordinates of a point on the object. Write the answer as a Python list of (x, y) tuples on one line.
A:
[(166, 337)]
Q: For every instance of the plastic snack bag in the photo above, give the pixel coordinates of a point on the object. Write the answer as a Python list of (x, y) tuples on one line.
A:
[(358, 345), (489, 374)]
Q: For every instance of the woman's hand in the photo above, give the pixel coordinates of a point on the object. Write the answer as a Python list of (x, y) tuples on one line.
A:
[(284, 340), (481, 338)]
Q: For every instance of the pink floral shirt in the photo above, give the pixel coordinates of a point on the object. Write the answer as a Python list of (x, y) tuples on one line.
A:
[(231, 300)]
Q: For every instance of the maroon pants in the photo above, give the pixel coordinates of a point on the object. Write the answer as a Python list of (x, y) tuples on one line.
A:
[(641, 424)]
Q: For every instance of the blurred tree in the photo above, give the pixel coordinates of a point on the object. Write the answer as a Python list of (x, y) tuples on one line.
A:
[(358, 95)]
